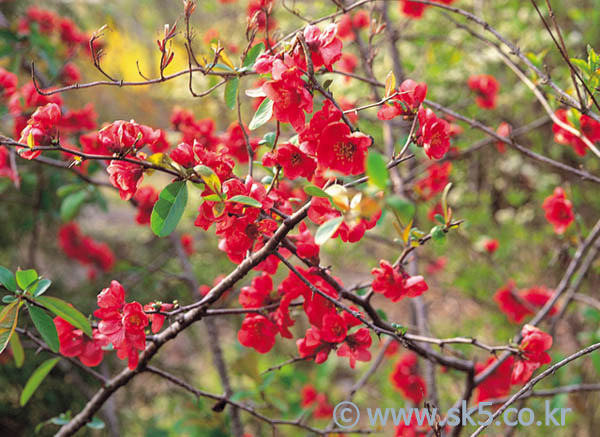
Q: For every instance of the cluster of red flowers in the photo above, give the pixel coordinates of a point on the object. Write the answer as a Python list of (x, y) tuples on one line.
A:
[(329, 329), (322, 409), (122, 324), (486, 87), (48, 22), (85, 249), (40, 130), (407, 379), (515, 370), (559, 210), (518, 304), (589, 127), (395, 284), (349, 23)]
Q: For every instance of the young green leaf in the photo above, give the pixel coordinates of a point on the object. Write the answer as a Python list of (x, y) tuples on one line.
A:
[(169, 208), (26, 277), (36, 379), (8, 279), (231, 89), (45, 326), (253, 53), (17, 350), (262, 115), (245, 200), (67, 312), (8, 322), (327, 229), (377, 170), (95, 423)]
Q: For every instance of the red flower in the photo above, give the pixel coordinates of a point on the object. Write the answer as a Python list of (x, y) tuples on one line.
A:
[(334, 328), (70, 74), (412, 9), (437, 178), (407, 380), (305, 244), (408, 100), (433, 134), (6, 170), (347, 64), (519, 304), (8, 83), (486, 87), (41, 127), (235, 142), (156, 319), (183, 155), (145, 197), (356, 347), (341, 150), (497, 384), (534, 345), (295, 162), (74, 343), (257, 294), (79, 120), (589, 127), (504, 130), (435, 210), (122, 323), (436, 266), (126, 176), (187, 241), (258, 332), (289, 94), (559, 210), (396, 285), (126, 136), (325, 48), (491, 245), (310, 396), (313, 346), (84, 249)]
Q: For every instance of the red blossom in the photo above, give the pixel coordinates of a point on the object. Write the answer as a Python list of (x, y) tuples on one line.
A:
[(324, 47), (504, 130), (122, 323), (41, 128), (519, 304), (433, 134), (74, 343), (187, 242), (533, 347), (125, 136), (496, 385), (156, 319), (356, 347), (126, 177), (83, 248), (437, 178), (408, 100), (491, 245), (486, 87), (295, 162), (258, 332), (559, 210), (8, 83), (406, 378), (396, 285), (342, 150)]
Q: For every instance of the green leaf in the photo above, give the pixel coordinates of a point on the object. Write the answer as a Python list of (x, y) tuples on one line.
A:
[(8, 322), (65, 190), (382, 314), (437, 234), (404, 208), (67, 312), (327, 229), (95, 423), (41, 287), (45, 326), (9, 298), (440, 219), (377, 170), (252, 54), (8, 279), (36, 379), (169, 208), (17, 350), (72, 204), (268, 138), (262, 115), (314, 191), (231, 89), (245, 200), (212, 198), (26, 277)]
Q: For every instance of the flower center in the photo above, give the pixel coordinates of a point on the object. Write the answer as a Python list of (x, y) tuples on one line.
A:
[(344, 151)]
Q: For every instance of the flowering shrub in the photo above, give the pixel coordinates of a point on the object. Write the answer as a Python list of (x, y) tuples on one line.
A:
[(353, 227)]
